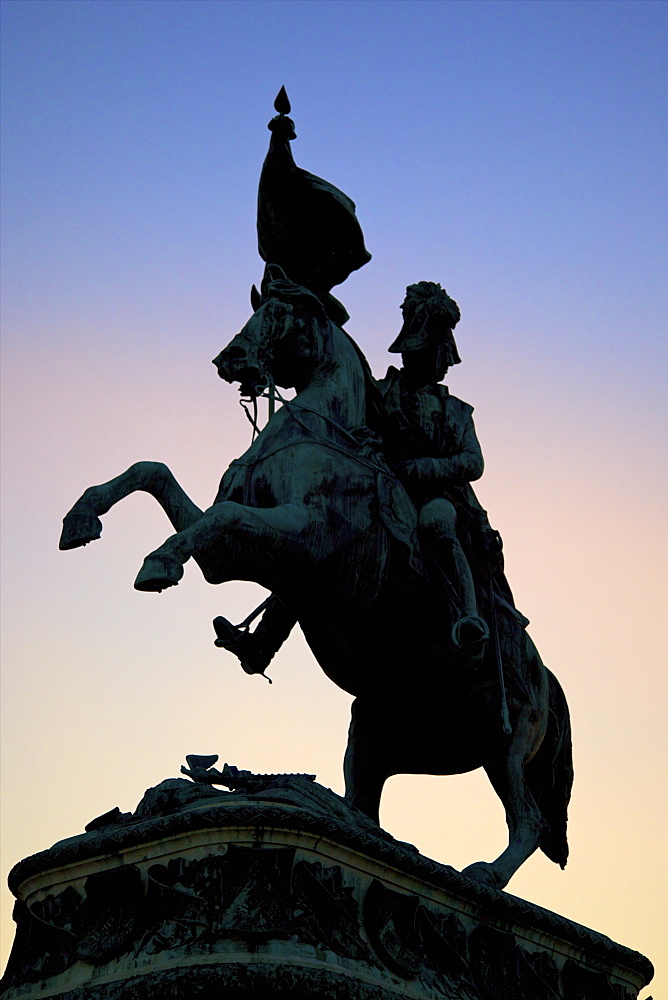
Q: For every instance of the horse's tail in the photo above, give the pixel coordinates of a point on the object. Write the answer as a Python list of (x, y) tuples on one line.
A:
[(550, 775)]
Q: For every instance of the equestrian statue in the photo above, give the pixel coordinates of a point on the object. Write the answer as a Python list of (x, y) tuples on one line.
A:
[(353, 507)]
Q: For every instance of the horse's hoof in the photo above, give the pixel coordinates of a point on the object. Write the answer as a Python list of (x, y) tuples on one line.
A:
[(483, 873), (157, 573), (80, 527)]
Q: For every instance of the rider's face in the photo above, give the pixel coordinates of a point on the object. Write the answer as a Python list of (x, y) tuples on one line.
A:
[(426, 365)]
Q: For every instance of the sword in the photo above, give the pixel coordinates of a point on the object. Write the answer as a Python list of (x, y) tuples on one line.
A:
[(505, 717)]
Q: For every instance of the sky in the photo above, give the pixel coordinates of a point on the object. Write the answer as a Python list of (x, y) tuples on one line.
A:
[(514, 152)]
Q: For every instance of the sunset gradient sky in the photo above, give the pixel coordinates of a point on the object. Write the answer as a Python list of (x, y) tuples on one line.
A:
[(513, 151)]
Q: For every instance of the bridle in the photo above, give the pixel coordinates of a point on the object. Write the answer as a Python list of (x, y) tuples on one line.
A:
[(266, 389)]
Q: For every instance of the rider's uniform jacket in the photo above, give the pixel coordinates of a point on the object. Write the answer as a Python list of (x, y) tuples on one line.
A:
[(434, 433), (431, 435)]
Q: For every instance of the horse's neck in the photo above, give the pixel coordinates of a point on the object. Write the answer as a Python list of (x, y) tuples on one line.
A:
[(336, 388)]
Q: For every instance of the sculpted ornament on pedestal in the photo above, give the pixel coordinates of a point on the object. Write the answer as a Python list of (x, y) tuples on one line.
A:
[(353, 508), (279, 889)]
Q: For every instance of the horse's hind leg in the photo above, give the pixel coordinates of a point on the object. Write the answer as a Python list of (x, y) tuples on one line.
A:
[(524, 819), (82, 524), (364, 769), (365, 780)]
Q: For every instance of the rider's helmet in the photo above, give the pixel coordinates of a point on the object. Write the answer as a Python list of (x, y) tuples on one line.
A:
[(430, 316)]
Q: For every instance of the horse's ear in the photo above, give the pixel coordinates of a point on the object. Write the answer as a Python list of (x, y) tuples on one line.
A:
[(256, 298)]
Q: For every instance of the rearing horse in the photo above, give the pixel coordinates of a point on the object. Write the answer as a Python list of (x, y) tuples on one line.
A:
[(313, 513)]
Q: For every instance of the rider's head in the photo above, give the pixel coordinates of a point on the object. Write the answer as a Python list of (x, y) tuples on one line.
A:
[(426, 340), (426, 365)]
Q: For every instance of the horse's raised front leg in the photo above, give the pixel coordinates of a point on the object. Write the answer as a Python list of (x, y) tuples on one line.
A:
[(233, 541), (82, 524), (525, 822)]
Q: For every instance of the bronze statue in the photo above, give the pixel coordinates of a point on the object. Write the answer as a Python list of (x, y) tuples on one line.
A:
[(314, 513)]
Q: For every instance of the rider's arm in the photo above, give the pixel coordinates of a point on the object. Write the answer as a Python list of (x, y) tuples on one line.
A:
[(435, 473)]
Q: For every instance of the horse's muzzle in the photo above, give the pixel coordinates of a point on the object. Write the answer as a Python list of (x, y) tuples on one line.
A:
[(234, 366)]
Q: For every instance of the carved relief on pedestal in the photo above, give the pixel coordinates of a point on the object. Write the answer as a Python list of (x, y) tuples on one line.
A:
[(586, 984), (390, 922), (284, 881), (444, 941), (177, 917), (111, 916), (44, 945), (416, 942), (326, 911), (503, 970)]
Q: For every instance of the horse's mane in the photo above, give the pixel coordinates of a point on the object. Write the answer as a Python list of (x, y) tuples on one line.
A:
[(375, 408), (277, 285)]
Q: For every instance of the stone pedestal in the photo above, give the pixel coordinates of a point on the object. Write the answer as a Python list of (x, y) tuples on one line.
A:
[(282, 891)]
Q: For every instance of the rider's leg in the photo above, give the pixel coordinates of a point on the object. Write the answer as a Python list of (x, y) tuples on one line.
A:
[(255, 650), (438, 533)]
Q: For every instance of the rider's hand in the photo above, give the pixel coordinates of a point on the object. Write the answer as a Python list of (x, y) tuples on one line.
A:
[(428, 473), (408, 472)]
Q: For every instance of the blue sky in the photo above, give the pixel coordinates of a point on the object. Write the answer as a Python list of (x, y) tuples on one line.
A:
[(480, 134), (513, 151)]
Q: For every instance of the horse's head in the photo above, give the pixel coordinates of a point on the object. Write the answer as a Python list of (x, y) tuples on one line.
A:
[(246, 358), (277, 342)]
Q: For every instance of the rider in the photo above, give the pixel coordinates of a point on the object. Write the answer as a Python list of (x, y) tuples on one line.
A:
[(430, 441)]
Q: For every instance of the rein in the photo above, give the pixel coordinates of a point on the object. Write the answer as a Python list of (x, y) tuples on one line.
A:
[(271, 396), (252, 417), (291, 406), (266, 389)]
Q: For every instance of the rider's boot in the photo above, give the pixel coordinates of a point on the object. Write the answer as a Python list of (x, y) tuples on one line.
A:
[(469, 636), (470, 632), (437, 520)]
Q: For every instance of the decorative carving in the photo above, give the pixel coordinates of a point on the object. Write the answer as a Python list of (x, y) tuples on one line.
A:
[(503, 970), (239, 981), (41, 948), (255, 898), (262, 893), (110, 818), (390, 922), (326, 911), (443, 940), (172, 796), (586, 984), (111, 915), (176, 917), (246, 891), (201, 770), (543, 979), (297, 805)]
